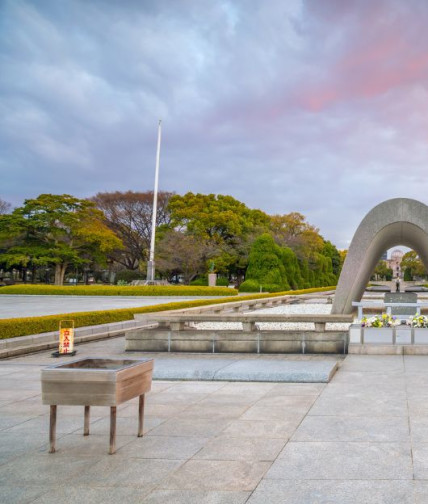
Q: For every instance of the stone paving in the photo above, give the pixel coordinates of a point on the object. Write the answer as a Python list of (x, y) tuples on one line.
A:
[(362, 438), (15, 306)]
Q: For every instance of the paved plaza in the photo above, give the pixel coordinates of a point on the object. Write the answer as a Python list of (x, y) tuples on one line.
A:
[(362, 438), (12, 306)]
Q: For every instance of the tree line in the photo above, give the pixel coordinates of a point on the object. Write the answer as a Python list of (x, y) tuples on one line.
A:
[(63, 237)]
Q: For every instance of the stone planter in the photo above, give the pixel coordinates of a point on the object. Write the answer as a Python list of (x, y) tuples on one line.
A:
[(421, 336), (378, 335), (355, 333), (403, 335)]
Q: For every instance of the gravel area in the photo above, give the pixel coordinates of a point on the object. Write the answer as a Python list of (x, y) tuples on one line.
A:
[(315, 306)]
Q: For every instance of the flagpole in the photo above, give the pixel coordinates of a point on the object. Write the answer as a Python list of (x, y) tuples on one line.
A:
[(151, 263)]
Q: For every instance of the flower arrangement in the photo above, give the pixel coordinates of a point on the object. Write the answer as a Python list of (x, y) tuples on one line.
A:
[(420, 321), (383, 320)]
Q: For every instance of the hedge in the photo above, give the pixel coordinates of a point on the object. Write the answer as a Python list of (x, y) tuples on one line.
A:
[(117, 290), (14, 327), (254, 286)]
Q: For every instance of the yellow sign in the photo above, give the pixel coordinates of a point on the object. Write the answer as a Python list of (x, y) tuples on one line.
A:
[(66, 337)]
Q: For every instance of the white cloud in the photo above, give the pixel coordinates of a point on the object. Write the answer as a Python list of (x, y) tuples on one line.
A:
[(316, 107)]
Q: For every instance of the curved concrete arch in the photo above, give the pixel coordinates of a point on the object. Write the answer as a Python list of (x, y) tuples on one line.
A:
[(398, 221)]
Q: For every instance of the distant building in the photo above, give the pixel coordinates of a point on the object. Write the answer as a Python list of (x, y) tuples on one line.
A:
[(395, 262)]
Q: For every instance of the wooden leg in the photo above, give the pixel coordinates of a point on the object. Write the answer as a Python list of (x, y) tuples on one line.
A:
[(112, 430), (140, 415), (86, 424), (52, 428)]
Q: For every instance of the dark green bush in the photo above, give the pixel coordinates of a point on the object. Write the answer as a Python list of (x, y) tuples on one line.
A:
[(254, 286), (202, 280), (265, 265), (249, 286), (292, 269)]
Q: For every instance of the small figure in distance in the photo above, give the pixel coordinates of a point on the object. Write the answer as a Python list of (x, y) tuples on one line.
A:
[(397, 284)]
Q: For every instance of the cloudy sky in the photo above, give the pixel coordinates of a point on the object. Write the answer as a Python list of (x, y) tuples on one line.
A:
[(315, 106)]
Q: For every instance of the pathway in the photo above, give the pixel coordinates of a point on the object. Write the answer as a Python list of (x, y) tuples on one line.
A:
[(12, 306), (362, 438)]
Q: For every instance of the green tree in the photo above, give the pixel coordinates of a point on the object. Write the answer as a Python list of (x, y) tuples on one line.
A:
[(408, 277), (413, 264), (215, 217), (223, 222), (265, 266), (319, 260), (329, 250), (292, 267), (292, 230), (383, 271), (58, 230)]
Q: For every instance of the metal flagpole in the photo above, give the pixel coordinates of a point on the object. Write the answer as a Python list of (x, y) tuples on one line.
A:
[(151, 262)]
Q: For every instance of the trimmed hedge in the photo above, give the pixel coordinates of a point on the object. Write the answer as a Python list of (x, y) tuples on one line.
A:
[(254, 286), (115, 290), (14, 327)]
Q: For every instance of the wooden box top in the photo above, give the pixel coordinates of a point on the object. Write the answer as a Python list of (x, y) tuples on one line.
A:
[(96, 369), (95, 381), (98, 364)]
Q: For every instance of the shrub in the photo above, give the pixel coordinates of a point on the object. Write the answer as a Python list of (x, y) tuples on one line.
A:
[(127, 276), (249, 286), (271, 288), (254, 286), (202, 280)]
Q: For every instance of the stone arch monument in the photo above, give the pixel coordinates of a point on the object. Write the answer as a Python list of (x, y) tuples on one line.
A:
[(398, 221)]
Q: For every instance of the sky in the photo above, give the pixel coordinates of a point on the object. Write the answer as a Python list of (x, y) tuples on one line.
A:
[(313, 106)]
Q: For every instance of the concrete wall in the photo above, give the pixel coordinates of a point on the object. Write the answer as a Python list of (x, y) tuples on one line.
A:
[(398, 221), (161, 340)]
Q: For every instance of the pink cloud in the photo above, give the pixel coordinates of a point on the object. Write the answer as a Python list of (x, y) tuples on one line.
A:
[(380, 50)]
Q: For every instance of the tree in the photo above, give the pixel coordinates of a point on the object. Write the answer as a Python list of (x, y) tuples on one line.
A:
[(4, 207), (383, 271), (129, 216), (329, 250), (228, 225), (215, 217), (293, 231), (412, 263), (342, 254), (182, 254), (292, 267), (265, 266), (57, 230), (319, 260)]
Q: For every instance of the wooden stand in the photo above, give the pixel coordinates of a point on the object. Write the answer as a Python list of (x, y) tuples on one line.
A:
[(52, 429), (113, 409), (96, 382)]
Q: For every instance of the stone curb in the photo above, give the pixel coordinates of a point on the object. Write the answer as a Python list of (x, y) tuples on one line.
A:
[(22, 345)]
